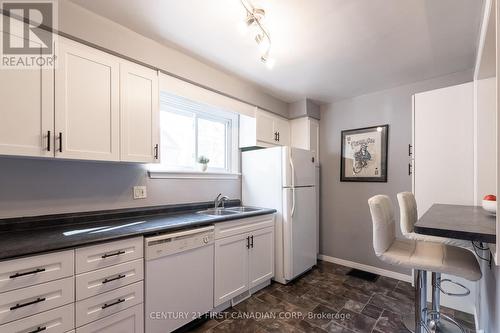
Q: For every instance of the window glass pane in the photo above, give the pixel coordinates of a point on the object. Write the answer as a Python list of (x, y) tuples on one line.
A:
[(177, 139), (212, 142)]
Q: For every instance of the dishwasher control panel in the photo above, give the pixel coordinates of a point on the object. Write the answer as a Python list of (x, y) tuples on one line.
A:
[(169, 244)]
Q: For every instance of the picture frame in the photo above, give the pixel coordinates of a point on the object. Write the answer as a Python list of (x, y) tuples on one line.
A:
[(364, 154)]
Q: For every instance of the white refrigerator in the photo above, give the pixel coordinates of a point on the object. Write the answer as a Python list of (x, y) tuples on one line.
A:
[(284, 178)]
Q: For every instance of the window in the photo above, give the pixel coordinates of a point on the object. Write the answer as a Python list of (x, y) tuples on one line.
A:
[(189, 130)]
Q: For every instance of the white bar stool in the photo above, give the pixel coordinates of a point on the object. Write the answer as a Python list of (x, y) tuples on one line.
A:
[(408, 217), (420, 256)]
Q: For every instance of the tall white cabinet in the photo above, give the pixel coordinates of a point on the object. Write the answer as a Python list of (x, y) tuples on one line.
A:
[(443, 159), (305, 135), (87, 109), (443, 146)]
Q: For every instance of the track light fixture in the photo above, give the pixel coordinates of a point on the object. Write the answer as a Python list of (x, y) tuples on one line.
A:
[(253, 21)]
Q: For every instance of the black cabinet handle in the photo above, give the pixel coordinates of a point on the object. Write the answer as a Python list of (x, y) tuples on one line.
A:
[(121, 300), (106, 280), (38, 270), (107, 255), (19, 305), (409, 169), (48, 140), (410, 152), (39, 329), (251, 244), (60, 142), (248, 242), (156, 151), (278, 136)]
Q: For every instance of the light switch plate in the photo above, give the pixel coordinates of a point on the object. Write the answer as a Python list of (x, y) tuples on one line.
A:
[(140, 192)]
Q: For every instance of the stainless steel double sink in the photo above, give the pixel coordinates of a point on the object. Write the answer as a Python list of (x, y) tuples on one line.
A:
[(228, 210)]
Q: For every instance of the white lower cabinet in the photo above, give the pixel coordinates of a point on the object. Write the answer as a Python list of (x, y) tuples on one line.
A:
[(28, 301), (261, 258), (231, 267), (245, 259), (108, 303), (130, 320), (60, 320)]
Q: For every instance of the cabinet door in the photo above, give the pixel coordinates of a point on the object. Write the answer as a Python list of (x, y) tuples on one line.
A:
[(261, 265), (139, 112), (314, 137), (231, 267), (265, 127), (282, 127), (26, 110), (86, 103)]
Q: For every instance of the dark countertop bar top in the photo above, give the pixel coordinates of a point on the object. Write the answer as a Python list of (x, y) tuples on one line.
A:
[(32, 235), (460, 222)]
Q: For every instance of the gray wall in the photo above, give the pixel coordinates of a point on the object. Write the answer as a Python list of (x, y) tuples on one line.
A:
[(346, 228), (39, 186)]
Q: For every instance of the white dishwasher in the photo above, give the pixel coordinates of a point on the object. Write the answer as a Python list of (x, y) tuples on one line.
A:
[(179, 278)]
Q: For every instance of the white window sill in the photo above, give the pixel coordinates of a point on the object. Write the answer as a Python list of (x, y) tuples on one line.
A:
[(192, 175)]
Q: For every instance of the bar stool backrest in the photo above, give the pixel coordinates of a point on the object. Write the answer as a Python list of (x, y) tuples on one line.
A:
[(408, 212), (384, 232)]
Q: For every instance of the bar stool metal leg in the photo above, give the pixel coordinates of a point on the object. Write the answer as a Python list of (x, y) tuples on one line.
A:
[(436, 298), (414, 323)]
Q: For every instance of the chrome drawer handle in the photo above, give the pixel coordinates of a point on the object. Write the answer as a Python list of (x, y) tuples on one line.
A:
[(107, 255), (121, 300), (39, 329), (38, 270), (19, 305), (106, 280)]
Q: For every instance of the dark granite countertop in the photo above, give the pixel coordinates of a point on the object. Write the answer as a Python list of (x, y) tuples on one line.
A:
[(461, 222), (32, 235)]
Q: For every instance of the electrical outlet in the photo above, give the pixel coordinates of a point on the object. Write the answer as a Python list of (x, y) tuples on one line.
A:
[(140, 192)]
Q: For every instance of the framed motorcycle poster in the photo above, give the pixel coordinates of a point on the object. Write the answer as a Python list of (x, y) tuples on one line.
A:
[(364, 154)]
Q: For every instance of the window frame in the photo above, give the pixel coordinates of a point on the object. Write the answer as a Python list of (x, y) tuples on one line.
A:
[(185, 106)]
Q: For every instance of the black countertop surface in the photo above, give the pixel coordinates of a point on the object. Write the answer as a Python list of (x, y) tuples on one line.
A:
[(461, 222), (31, 235)]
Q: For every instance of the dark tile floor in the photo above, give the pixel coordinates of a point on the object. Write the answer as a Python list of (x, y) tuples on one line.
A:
[(325, 300)]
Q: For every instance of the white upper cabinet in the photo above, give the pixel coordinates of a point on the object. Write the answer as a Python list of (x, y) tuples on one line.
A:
[(305, 135), (265, 127), (265, 130), (139, 111), (87, 106), (26, 109)]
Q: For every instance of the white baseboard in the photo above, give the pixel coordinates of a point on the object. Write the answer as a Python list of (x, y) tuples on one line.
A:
[(367, 268)]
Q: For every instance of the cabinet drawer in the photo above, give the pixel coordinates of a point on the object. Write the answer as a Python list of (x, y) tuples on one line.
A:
[(60, 320), (107, 279), (130, 320), (104, 255), (28, 301), (25, 272), (103, 305), (242, 226)]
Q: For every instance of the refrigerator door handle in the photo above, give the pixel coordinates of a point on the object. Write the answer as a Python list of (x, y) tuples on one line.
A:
[(293, 185)]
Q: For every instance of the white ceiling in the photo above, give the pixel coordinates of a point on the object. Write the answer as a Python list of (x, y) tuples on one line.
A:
[(324, 49)]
